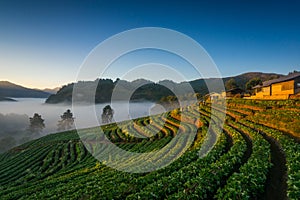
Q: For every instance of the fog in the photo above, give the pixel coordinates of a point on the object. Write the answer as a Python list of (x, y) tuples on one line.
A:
[(14, 116), (12, 123)]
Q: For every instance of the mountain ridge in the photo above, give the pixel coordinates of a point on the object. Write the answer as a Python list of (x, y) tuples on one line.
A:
[(148, 90), (12, 90)]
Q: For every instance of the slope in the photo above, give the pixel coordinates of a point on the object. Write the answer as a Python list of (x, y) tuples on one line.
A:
[(8, 89), (243, 164)]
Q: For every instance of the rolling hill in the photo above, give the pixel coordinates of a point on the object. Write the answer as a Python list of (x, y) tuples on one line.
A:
[(150, 91), (8, 89), (255, 156), (50, 90)]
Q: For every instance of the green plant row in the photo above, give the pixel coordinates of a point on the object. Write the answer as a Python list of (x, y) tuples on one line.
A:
[(209, 179), (250, 181), (292, 152), (172, 183)]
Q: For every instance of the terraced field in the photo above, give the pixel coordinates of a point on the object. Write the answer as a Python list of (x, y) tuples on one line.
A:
[(256, 155)]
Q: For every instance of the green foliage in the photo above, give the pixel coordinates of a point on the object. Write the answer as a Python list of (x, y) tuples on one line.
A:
[(253, 82), (230, 84), (149, 90), (249, 182), (58, 166)]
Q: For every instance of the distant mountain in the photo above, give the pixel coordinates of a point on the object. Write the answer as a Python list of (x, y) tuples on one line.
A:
[(8, 89), (149, 90), (242, 79), (51, 91)]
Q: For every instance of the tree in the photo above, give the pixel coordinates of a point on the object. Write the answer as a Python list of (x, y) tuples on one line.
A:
[(66, 122), (36, 124), (253, 82), (107, 114), (169, 102), (231, 84)]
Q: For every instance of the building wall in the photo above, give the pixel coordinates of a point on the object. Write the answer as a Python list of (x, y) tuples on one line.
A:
[(297, 85), (283, 88), (270, 97), (265, 91)]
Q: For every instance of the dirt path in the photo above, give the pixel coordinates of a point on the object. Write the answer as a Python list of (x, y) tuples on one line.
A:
[(276, 186)]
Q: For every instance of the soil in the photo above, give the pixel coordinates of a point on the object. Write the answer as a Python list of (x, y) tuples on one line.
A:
[(276, 186)]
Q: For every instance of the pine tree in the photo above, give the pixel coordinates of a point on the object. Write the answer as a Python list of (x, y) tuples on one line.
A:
[(107, 114), (66, 122), (36, 124)]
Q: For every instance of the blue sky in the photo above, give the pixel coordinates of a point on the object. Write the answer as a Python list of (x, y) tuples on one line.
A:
[(43, 43)]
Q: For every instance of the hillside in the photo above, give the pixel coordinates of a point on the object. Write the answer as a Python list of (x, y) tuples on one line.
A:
[(250, 159), (50, 90), (8, 89), (150, 91)]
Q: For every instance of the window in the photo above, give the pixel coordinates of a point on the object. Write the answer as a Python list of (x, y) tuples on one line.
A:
[(298, 85)]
